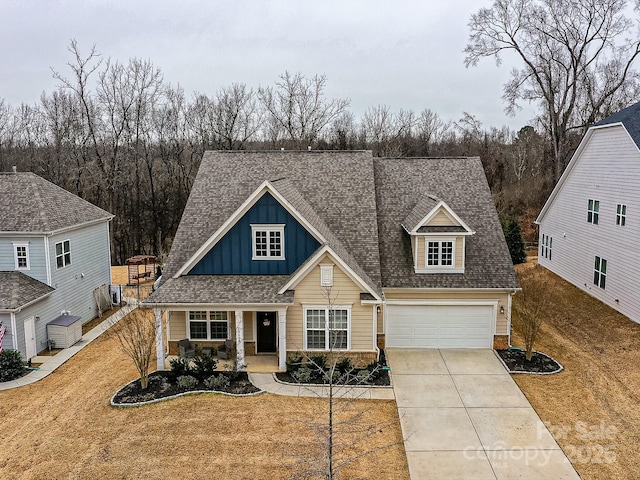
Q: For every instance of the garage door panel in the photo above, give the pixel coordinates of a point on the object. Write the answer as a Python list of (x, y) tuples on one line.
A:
[(440, 326)]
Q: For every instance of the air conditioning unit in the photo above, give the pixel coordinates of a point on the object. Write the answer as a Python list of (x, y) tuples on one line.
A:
[(116, 294)]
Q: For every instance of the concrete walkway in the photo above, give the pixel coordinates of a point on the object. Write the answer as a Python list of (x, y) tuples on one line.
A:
[(463, 417), (50, 364), (268, 383)]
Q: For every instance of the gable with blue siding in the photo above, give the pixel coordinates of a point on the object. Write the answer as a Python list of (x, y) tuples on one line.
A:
[(232, 254)]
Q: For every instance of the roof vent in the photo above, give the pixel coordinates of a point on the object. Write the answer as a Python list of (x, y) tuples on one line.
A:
[(14, 169)]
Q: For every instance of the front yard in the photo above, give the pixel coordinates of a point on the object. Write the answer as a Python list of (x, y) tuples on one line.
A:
[(592, 406), (64, 427)]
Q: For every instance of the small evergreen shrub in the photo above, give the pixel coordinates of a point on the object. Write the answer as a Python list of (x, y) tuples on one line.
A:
[(217, 382), (318, 361), (11, 366), (294, 364), (375, 370), (179, 367), (187, 382), (513, 237), (363, 376), (204, 366), (302, 375), (345, 365)]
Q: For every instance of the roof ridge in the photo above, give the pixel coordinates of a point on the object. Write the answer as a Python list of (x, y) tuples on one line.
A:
[(35, 187)]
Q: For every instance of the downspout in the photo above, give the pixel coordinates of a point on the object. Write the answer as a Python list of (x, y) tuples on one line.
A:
[(509, 302), (47, 259), (14, 331)]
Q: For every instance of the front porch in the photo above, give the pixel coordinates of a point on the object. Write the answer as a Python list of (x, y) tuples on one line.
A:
[(258, 333)]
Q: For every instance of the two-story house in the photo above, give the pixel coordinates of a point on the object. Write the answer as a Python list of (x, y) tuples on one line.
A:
[(590, 225), (54, 252), (289, 252)]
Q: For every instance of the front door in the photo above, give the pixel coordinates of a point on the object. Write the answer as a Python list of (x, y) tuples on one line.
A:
[(266, 329), (30, 337)]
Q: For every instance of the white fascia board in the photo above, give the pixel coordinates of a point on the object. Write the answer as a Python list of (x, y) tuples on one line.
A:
[(59, 231), (266, 186), (313, 262), (448, 211), (572, 163), (444, 234), (444, 290)]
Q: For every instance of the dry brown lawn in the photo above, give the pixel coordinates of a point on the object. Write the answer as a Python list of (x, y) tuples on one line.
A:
[(64, 428), (592, 406)]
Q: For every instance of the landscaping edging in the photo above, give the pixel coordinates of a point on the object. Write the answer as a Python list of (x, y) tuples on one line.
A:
[(558, 370), (298, 384)]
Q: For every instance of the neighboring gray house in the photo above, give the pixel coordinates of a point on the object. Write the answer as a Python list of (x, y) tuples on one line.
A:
[(590, 225), (54, 252), (411, 250)]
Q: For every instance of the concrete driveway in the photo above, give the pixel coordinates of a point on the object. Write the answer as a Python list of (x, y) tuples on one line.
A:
[(463, 417)]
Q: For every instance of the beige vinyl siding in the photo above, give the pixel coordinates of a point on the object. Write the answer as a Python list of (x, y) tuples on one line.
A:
[(502, 324), (177, 325), (344, 293), (247, 320), (441, 219), (421, 242), (607, 170)]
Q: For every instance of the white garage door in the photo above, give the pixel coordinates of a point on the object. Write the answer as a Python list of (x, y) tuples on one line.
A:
[(439, 326)]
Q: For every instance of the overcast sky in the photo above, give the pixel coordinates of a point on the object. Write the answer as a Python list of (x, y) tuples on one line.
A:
[(404, 54)]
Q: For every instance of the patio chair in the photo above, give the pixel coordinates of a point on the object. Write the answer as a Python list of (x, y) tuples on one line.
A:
[(225, 351), (187, 349)]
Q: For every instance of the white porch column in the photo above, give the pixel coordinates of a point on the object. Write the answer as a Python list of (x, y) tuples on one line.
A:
[(159, 339), (282, 338), (240, 339)]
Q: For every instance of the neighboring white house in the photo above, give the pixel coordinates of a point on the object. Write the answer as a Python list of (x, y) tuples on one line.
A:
[(54, 252), (590, 226)]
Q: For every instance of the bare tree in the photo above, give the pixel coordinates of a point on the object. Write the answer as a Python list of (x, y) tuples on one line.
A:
[(529, 306), (136, 334), (298, 108), (575, 60)]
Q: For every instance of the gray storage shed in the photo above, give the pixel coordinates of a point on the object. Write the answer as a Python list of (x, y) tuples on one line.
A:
[(64, 330)]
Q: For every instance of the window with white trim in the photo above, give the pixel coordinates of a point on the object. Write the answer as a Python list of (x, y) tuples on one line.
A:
[(439, 253), (63, 254), (204, 325), (546, 246), (600, 273), (593, 210), (327, 328), (326, 275), (621, 215), (268, 242), (21, 256)]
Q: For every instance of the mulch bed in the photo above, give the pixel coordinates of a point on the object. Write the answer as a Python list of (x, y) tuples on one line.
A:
[(516, 362), (381, 381), (162, 385)]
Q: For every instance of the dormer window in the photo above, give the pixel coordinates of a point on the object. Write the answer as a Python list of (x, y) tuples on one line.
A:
[(268, 242), (440, 253)]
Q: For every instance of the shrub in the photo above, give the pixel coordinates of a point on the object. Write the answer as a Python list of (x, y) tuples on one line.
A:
[(513, 237), (180, 366), (364, 376), (217, 382), (318, 361), (204, 366), (11, 366), (294, 364), (345, 365), (374, 370), (187, 382), (302, 375)]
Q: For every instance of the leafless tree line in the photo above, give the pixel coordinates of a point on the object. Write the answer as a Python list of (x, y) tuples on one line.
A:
[(121, 137)]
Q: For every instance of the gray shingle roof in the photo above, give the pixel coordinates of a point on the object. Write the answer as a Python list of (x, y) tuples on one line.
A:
[(630, 118), (29, 203), (416, 215), (333, 189), (18, 290), (357, 203), (225, 289), (462, 185)]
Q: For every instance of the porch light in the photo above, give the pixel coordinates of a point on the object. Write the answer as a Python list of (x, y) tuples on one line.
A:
[(501, 309), (266, 322)]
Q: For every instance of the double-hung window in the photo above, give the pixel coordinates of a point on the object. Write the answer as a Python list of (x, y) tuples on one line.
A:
[(621, 215), (439, 253), (205, 325), (593, 210), (326, 328), (63, 254), (547, 245), (21, 256), (600, 272), (268, 242)]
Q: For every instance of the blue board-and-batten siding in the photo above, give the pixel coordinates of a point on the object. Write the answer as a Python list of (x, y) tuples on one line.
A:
[(232, 254)]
